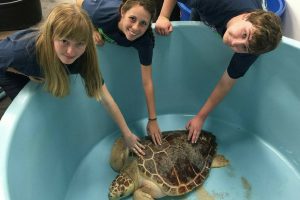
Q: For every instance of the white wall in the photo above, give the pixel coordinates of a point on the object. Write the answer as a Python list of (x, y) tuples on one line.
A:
[(291, 19)]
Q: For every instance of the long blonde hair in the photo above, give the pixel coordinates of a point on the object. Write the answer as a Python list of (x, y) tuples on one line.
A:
[(68, 21)]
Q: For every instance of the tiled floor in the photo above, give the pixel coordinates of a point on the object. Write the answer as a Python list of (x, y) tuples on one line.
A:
[(47, 5)]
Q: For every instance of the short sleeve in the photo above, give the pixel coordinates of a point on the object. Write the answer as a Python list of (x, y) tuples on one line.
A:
[(6, 57), (145, 55), (18, 51), (239, 64), (145, 46)]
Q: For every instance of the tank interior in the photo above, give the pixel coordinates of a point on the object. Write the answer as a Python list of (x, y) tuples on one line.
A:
[(58, 149)]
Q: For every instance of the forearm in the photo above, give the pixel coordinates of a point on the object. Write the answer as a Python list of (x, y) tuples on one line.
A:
[(167, 8), (149, 94), (149, 91), (220, 91), (114, 111)]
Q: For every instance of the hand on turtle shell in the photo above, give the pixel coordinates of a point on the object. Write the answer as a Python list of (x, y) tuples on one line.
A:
[(194, 126), (154, 131), (160, 181), (132, 142)]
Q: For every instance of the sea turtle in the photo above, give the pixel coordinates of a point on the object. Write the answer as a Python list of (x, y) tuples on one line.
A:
[(173, 168)]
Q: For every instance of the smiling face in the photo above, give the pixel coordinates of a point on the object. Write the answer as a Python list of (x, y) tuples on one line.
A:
[(134, 22), (238, 35), (68, 50)]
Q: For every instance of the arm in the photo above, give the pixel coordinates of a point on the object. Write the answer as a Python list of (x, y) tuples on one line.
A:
[(163, 25), (220, 91), (152, 126), (131, 140)]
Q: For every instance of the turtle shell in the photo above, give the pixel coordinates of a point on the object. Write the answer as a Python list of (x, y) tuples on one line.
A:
[(177, 165)]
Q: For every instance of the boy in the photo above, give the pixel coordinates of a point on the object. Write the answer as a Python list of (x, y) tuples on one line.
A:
[(244, 26)]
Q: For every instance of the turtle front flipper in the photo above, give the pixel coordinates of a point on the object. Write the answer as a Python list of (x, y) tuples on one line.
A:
[(119, 155), (121, 187)]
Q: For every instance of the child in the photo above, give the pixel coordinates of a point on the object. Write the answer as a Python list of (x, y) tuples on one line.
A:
[(245, 27), (128, 23), (63, 45)]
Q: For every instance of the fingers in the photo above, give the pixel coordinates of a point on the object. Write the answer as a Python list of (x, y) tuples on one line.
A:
[(161, 32), (170, 29), (140, 145), (98, 38), (99, 41), (188, 127), (194, 126), (138, 149), (158, 30), (153, 139), (164, 32), (156, 136), (159, 139), (190, 134), (163, 26), (154, 131), (193, 134)]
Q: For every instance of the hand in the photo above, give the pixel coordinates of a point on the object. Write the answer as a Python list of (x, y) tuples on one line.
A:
[(154, 132), (194, 126), (163, 26), (132, 142), (98, 38)]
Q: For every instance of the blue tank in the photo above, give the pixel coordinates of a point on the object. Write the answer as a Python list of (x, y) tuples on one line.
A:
[(58, 149)]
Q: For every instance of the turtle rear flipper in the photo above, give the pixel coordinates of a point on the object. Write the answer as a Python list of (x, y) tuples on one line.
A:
[(219, 161), (148, 191)]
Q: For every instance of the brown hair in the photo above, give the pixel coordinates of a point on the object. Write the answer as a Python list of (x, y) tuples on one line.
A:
[(68, 21), (268, 31), (148, 5)]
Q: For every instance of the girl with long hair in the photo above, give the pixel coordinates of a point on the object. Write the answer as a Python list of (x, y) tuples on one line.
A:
[(63, 45)]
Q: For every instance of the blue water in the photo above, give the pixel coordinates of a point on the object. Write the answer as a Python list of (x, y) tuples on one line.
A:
[(256, 170)]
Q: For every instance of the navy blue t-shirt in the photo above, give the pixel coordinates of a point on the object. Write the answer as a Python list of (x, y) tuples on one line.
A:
[(18, 51), (216, 14), (105, 15)]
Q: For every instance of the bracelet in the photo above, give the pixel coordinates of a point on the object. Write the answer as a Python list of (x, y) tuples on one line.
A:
[(152, 119)]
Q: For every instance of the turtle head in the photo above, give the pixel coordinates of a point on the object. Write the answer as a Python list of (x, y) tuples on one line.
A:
[(121, 187)]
